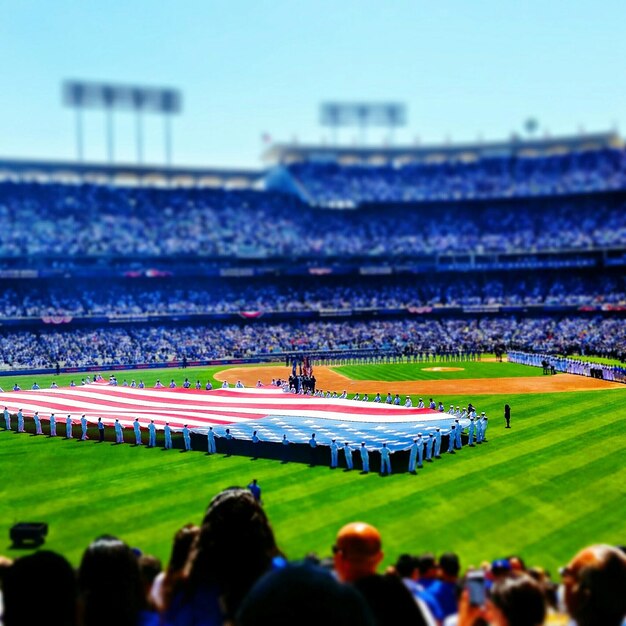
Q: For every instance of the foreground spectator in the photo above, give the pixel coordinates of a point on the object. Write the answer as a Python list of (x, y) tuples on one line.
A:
[(357, 554), (515, 600), (305, 595), (167, 583), (54, 601), (110, 588), (595, 586), (234, 548)]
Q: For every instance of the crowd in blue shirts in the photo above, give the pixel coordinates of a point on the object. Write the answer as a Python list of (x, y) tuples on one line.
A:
[(402, 337)]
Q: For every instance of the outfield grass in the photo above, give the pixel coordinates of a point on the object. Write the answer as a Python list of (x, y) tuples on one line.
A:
[(422, 371), (553, 483), (149, 376)]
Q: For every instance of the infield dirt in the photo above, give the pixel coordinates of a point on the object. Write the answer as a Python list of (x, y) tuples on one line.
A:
[(328, 379)]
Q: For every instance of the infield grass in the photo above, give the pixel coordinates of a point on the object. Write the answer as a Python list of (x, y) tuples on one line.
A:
[(439, 370), (553, 483)]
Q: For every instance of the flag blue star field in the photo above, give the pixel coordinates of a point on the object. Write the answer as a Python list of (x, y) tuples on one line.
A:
[(269, 411)]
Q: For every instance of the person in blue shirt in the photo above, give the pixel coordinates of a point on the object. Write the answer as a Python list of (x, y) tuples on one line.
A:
[(7, 418), (83, 425), (430, 440), (347, 450), (35, 386), (37, 421), (209, 386), (255, 489), (389, 398), (53, 425), (334, 454), (312, 447), (457, 435), (151, 434), (365, 458), (211, 441), (187, 438), (119, 432), (141, 384), (229, 439), (470, 432), (16, 387), (168, 436), (385, 460), (20, 421), (68, 427), (285, 449), (437, 443), (451, 438), (413, 455), (479, 430), (432, 404), (100, 430), (137, 429)]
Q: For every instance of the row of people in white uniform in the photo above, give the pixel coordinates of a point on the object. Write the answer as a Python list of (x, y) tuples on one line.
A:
[(423, 446)]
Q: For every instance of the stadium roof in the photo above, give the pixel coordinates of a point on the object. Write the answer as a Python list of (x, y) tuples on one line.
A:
[(381, 155), (131, 175)]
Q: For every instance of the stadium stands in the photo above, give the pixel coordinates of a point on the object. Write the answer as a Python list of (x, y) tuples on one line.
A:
[(519, 252)]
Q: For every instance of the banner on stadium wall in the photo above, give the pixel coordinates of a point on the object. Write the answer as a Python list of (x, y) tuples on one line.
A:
[(56, 319)]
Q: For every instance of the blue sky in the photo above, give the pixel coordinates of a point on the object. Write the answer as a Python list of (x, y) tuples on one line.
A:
[(465, 68)]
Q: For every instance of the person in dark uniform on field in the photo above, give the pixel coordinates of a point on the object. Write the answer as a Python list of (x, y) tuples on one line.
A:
[(507, 415)]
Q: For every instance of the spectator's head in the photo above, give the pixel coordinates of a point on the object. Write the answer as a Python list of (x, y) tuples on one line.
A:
[(303, 594), (427, 566), (406, 566), (516, 601), (449, 566), (389, 600), (235, 547), (149, 568), (55, 600), (109, 584), (595, 584), (357, 551)]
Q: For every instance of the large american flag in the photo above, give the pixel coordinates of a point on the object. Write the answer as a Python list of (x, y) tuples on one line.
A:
[(269, 411)]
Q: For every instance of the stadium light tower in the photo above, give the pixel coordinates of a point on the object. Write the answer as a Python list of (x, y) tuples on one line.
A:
[(389, 115), (80, 95)]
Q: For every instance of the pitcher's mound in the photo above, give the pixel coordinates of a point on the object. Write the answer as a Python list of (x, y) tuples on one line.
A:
[(443, 369)]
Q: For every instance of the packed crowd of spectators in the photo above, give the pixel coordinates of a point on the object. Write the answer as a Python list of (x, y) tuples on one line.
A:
[(177, 296), (497, 177), (91, 221), (158, 344), (230, 571)]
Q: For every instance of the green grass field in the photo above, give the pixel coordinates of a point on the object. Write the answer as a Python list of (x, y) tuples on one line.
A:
[(553, 483)]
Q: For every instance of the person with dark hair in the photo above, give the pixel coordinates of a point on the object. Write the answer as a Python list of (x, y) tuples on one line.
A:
[(110, 589), (507, 415), (149, 568), (514, 600), (390, 601), (445, 588), (595, 586), (407, 568), (234, 548), (53, 605), (167, 583), (306, 595)]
